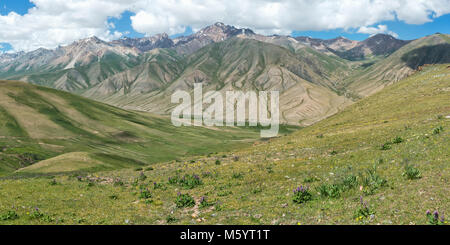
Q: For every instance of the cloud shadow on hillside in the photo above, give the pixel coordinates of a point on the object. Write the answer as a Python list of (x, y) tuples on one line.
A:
[(434, 54)]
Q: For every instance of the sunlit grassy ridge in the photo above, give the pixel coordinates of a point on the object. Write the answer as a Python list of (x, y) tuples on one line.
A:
[(39, 123), (360, 152)]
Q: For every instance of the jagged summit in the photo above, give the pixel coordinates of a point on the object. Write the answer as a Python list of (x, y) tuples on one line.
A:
[(92, 40), (146, 43), (380, 37), (219, 31)]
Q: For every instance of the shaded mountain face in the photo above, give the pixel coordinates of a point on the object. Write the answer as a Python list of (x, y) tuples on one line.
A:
[(380, 44), (434, 54)]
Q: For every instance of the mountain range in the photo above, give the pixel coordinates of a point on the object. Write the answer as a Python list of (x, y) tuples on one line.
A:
[(316, 77)]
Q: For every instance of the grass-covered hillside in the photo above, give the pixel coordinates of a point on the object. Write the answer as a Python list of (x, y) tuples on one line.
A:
[(55, 131), (383, 160)]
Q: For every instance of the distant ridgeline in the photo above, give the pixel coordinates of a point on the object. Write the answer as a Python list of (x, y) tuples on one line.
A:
[(315, 78)]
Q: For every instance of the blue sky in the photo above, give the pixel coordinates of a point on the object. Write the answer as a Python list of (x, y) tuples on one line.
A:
[(142, 18), (404, 31)]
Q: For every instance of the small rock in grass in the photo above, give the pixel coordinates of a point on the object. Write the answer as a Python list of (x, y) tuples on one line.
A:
[(257, 216)]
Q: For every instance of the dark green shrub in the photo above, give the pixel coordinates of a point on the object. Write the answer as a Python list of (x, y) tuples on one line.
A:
[(372, 181), (330, 190), (37, 214), (113, 197), (433, 219), (411, 172), (398, 140), (145, 194), (171, 219), (386, 146), (301, 195), (438, 130), (237, 176), (10, 215), (142, 176), (363, 211), (349, 182), (184, 200), (204, 203), (187, 181), (158, 186), (190, 181), (53, 182)]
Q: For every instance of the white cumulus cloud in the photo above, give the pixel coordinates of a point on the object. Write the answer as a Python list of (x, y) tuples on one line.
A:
[(55, 22), (376, 30)]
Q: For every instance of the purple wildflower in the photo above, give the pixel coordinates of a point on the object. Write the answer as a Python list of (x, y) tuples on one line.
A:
[(436, 215)]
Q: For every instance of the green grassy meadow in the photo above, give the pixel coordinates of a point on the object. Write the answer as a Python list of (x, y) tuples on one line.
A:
[(39, 124), (383, 160)]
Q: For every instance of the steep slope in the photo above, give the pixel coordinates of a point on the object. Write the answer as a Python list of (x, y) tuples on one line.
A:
[(304, 79), (39, 123), (159, 67), (337, 161), (372, 77), (77, 66)]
